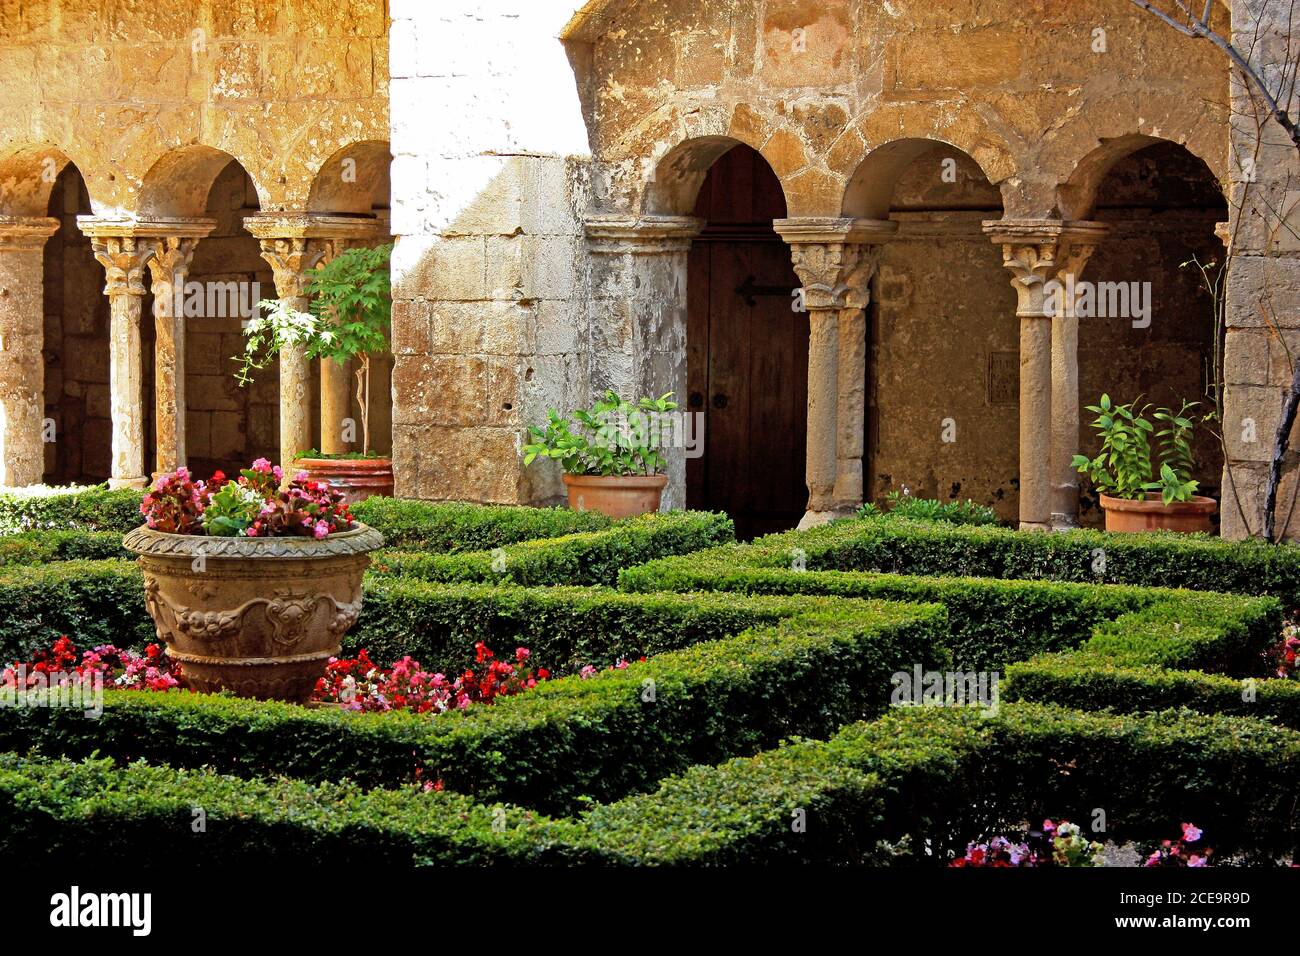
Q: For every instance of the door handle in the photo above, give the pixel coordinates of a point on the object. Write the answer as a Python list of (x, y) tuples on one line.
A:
[(719, 401)]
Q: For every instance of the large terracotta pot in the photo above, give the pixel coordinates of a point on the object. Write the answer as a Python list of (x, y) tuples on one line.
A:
[(1123, 514), (356, 478), (256, 616), (618, 497)]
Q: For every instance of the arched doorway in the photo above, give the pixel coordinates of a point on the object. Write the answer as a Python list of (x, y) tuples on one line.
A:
[(747, 352), (1161, 204), (76, 343)]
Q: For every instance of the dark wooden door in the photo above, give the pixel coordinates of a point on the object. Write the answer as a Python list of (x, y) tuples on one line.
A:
[(747, 353)]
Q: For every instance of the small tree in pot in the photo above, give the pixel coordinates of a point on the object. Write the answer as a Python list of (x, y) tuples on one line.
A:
[(351, 312), (1135, 494), (610, 453)]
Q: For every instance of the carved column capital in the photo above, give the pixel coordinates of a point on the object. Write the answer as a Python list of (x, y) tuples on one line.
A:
[(835, 258), (641, 235), (294, 243), (1037, 251), (124, 245)]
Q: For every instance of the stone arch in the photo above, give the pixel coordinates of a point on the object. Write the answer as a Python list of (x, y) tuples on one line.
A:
[(177, 185), (27, 177), (1076, 197), (870, 190), (354, 180), (680, 172)]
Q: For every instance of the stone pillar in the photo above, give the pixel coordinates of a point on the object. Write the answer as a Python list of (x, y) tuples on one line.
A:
[(1036, 252), (168, 266), (22, 367), (835, 259), (1065, 377), (293, 244), (638, 319), (122, 252)]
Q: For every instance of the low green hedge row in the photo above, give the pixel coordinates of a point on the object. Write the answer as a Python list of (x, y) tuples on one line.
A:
[(1204, 653), (903, 546), (884, 792), (93, 602), (822, 663), (86, 509), (591, 557), (996, 622), (442, 526), (43, 547)]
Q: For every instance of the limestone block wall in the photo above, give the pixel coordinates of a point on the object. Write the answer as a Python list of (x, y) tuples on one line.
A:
[(1263, 303), (489, 271)]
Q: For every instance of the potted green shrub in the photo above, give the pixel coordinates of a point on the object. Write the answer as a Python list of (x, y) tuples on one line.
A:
[(609, 453), (1136, 495), (351, 311)]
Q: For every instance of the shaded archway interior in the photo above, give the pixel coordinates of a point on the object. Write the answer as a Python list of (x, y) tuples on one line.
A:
[(1162, 204), (943, 362), (747, 351)]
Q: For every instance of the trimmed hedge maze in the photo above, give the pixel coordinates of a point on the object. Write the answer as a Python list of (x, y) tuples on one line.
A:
[(765, 698)]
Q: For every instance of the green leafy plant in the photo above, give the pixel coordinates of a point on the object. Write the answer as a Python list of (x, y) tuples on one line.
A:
[(1124, 468), (351, 311), (901, 504), (612, 438)]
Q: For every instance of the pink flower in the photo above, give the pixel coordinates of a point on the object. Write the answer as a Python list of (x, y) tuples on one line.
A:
[(1191, 833), (261, 465)]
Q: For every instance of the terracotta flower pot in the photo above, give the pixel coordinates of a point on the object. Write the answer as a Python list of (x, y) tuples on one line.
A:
[(356, 478), (618, 497), (259, 617), (1151, 514)]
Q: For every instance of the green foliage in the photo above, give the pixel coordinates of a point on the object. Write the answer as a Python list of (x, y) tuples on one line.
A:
[(94, 602), (905, 546), (412, 525), (93, 508), (42, 547), (613, 437), (592, 557), (351, 310), (813, 665), (903, 505), (911, 787), (232, 510), (1124, 467)]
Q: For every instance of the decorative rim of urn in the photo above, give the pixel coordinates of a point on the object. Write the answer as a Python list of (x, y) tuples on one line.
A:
[(359, 539)]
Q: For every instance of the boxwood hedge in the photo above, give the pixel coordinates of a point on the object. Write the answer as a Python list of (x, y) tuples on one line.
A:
[(912, 787), (903, 546), (819, 664)]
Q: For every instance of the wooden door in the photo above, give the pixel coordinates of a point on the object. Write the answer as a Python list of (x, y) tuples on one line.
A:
[(747, 353)]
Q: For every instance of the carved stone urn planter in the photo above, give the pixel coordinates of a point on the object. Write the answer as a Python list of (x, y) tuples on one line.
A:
[(259, 617)]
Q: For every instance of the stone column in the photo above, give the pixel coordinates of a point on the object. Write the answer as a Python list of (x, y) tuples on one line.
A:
[(638, 317), (168, 266), (294, 244), (123, 253), (1072, 256), (1036, 252), (835, 259), (22, 367)]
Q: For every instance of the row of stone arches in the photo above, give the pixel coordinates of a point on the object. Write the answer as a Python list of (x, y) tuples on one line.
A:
[(109, 386), (929, 381)]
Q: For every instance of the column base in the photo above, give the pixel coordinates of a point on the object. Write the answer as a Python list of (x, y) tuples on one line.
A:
[(1035, 526), (1064, 522), (115, 484), (813, 519)]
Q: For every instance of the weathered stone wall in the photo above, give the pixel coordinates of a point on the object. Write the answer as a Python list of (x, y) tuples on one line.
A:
[(1263, 302), (489, 301)]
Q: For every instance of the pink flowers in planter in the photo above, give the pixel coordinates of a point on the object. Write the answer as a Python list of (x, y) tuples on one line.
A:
[(257, 504)]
